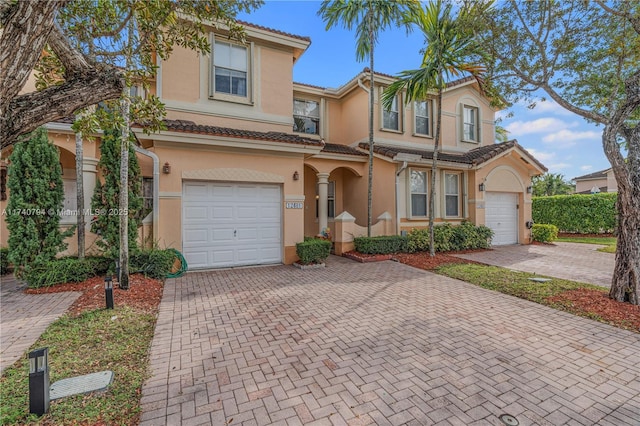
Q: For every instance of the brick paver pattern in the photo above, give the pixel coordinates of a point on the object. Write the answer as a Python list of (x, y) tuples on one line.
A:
[(24, 317), (570, 261), (379, 343)]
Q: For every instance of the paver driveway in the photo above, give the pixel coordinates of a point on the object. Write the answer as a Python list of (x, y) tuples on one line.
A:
[(379, 343), (571, 261)]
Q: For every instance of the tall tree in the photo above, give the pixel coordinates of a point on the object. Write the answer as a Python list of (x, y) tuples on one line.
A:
[(37, 194), (369, 18), (451, 51), (85, 37), (550, 184), (586, 57)]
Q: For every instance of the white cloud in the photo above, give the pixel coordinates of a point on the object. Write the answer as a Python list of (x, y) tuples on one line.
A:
[(540, 125), (586, 168), (541, 156), (569, 137)]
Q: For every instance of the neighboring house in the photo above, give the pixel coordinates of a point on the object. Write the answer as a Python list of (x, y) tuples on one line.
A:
[(252, 162), (601, 181)]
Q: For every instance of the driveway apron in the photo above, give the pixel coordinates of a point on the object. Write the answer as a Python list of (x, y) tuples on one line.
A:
[(570, 261), (379, 343)]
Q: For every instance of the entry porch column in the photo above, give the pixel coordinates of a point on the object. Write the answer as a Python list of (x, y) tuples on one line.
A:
[(323, 201)]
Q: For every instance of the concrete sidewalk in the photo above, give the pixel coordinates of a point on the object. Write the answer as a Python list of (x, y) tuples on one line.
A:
[(570, 261), (24, 317), (379, 343)]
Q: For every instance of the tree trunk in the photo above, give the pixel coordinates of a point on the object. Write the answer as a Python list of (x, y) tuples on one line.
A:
[(80, 196), (625, 285), (371, 105), (123, 210), (434, 172)]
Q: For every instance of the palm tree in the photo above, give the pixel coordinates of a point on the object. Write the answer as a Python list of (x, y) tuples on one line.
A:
[(551, 184), (451, 51), (369, 17)]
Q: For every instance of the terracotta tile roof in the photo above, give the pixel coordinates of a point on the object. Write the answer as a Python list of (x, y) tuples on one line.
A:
[(449, 84), (595, 175), (271, 30), (309, 85), (473, 157), (191, 127), (333, 148)]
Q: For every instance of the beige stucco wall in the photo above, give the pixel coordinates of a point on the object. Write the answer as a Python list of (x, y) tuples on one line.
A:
[(184, 158), (612, 184), (587, 185)]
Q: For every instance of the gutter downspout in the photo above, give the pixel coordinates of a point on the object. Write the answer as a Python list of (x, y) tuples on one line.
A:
[(404, 166), (156, 186)]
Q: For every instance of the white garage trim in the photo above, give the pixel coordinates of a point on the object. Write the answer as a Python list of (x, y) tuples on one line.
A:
[(501, 215), (226, 224)]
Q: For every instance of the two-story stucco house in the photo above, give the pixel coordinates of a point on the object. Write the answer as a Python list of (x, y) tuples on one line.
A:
[(600, 181), (251, 162)]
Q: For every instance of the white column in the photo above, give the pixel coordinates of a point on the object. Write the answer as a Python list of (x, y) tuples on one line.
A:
[(89, 175), (323, 201)]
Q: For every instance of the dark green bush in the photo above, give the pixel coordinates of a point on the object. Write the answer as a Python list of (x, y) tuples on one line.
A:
[(579, 213), (544, 233), (314, 250), (66, 270), (4, 260), (385, 244), (154, 263), (451, 238)]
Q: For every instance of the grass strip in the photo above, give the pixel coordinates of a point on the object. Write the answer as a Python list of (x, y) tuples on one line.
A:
[(512, 282), (117, 340)]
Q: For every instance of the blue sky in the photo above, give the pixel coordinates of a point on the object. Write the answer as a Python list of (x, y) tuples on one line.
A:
[(561, 140)]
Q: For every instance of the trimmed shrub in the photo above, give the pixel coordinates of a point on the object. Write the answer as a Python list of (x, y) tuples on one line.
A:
[(385, 244), (544, 233), (66, 270), (451, 238), (467, 236), (313, 250), (578, 213), (4, 260), (153, 263)]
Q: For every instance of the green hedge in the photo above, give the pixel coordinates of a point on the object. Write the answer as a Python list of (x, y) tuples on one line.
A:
[(66, 270), (544, 233), (451, 238), (578, 213), (4, 260), (314, 250), (385, 244)]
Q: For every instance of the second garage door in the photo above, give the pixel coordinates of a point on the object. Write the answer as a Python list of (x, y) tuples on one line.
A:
[(501, 215), (231, 224)]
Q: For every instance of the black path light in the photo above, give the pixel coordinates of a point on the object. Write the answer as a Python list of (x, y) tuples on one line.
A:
[(108, 292), (39, 381)]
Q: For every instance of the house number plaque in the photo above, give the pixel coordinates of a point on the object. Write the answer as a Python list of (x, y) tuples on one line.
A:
[(293, 205)]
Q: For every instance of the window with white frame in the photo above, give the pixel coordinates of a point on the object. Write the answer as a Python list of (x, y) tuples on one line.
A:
[(230, 69), (418, 188), (452, 194), (391, 117), (470, 123), (422, 111), (331, 200), (306, 116)]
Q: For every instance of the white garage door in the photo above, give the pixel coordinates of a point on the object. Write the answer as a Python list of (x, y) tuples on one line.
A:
[(231, 224), (501, 215)]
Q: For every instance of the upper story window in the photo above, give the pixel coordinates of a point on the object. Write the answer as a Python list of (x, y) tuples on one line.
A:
[(137, 91), (470, 124), (418, 188), (452, 194), (391, 117), (306, 116), (230, 70), (422, 110)]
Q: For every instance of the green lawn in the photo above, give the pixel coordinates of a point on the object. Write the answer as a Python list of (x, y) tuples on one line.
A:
[(99, 340), (609, 242)]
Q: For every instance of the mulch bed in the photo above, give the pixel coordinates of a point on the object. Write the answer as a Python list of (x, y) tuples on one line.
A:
[(366, 258), (144, 294), (425, 261), (596, 302), (570, 235)]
